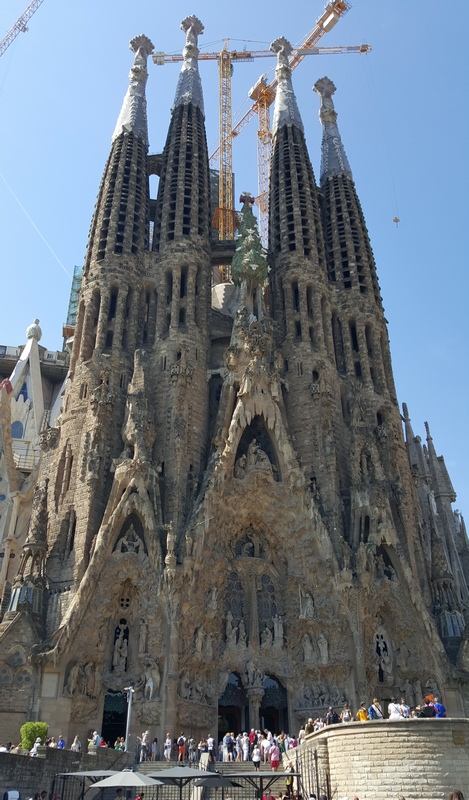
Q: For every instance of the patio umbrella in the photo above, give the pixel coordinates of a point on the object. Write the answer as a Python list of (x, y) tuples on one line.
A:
[(179, 776), (127, 778), (216, 781)]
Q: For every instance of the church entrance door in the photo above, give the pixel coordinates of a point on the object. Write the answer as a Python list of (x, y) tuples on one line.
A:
[(233, 707), (114, 716), (274, 708)]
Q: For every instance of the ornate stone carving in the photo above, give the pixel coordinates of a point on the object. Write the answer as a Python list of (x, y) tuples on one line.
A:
[(147, 713), (83, 709)]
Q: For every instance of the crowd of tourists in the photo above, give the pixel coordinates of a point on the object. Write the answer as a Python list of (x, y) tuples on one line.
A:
[(431, 707)]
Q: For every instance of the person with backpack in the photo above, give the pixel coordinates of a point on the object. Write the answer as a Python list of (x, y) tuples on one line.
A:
[(332, 717)]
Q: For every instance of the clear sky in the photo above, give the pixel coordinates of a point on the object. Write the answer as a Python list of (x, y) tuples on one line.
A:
[(403, 118)]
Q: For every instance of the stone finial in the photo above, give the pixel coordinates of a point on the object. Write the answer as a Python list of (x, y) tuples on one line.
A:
[(286, 110), (192, 27), (143, 43), (325, 89), (34, 331)]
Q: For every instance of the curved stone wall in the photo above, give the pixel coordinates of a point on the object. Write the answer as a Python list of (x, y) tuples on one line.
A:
[(418, 759)]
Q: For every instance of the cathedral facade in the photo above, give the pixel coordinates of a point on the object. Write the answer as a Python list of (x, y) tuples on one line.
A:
[(225, 513)]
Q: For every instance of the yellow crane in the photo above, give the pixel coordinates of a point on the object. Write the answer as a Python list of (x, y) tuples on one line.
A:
[(263, 95)]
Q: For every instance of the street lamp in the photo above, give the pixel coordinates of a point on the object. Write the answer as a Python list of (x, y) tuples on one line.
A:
[(129, 690)]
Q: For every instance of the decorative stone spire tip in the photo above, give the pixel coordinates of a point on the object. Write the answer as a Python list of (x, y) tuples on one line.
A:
[(189, 88)]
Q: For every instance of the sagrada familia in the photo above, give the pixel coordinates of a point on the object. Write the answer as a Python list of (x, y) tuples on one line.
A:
[(214, 499)]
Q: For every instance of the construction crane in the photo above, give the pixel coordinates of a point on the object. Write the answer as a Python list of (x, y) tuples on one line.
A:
[(20, 26), (263, 95)]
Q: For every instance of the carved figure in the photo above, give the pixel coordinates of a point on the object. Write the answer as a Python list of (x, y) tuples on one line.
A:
[(307, 610), (323, 649), (152, 679), (143, 638), (242, 633), (185, 690), (231, 629), (257, 459), (240, 467), (278, 630), (308, 652), (75, 680), (266, 637), (130, 542)]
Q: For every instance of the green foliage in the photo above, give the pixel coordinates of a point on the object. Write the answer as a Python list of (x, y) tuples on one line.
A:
[(31, 731)]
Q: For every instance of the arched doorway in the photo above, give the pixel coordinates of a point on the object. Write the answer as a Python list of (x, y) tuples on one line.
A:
[(114, 716), (233, 707), (274, 709)]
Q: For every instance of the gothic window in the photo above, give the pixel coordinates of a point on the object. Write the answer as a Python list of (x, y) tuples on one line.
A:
[(23, 392), (6, 675), (234, 597), (23, 677), (266, 602)]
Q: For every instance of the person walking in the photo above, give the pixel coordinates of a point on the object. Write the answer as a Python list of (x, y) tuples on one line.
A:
[(256, 757)]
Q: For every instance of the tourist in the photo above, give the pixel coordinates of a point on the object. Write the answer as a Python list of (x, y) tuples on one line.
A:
[(52, 742), (346, 714), (227, 747), (405, 708), (181, 743), (33, 751), (268, 795), (265, 749), (154, 750), (332, 717), (362, 713), (309, 727), (119, 794), (210, 747), (167, 747), (456, 795), (439, 708), (76, 745), (256, 757), (96, 740), (427, 709), (61, 743), (301, 735), (245, 746), (395, 709), (289, 781), (274, 756), (375, 711)]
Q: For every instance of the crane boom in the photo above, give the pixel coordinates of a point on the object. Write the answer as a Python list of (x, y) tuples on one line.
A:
[(19, 26)]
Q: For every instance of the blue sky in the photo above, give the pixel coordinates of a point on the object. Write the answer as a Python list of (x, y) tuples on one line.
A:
[(402, 116)]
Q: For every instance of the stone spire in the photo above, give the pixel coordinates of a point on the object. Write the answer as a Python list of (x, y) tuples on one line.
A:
[(133, 115), (333, 158), (189, 88), (286, 111)]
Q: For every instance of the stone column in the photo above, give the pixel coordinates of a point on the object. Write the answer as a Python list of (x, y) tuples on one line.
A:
[(255, 695), (172, 671)]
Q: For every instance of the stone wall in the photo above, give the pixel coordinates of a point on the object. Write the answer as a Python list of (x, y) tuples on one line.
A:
[(419, 759), (31, 775)]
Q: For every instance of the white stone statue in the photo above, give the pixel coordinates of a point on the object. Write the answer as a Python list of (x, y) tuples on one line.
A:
[(242, 633), (185, 686), (75, 680), (306, 606), (152, 680), (266, 637), (278, 630), (142, 641), (231, 629), (323, 649), (308, 651)]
